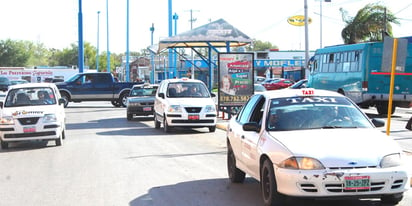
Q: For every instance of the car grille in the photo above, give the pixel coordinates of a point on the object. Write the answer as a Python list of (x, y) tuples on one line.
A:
[(29, 120), (146, 103), (193, 109), (34, 134), (193, 121), (340, 187)]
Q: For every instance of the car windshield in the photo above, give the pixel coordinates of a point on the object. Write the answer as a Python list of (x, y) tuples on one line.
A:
[(187, 89), (313, 113), (30, 97), (143, 91)]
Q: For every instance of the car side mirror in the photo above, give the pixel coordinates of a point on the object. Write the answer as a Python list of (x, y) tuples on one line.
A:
[(162, 95), (62, 101), (1, 104), (378, 122), (213, 94), (251, 126)]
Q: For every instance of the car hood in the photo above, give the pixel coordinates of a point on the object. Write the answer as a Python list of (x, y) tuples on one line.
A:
[(339, 147), (31, 111), (141, 99), (191, 102)]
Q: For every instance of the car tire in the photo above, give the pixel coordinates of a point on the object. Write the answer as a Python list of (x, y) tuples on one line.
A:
[(66, 98), (392, 199), (123, 99), (63, 135), (212, 128), (166, 127), (115, 103), (4, 145), (268, 184), (59, 141), (235, 174), (129, 117), (156, 123)]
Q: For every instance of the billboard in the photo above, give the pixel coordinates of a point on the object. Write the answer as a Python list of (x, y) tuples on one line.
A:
[(235, 78)]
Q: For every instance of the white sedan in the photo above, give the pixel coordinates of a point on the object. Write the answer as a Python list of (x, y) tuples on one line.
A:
[(315, 144)]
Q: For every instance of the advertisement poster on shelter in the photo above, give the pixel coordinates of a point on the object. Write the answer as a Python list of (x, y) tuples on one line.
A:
[(235, 78)]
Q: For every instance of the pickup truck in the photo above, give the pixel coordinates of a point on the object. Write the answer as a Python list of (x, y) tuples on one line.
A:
[(99, 86)]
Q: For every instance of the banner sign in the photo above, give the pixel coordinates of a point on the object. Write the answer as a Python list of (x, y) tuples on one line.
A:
[(235, 78)]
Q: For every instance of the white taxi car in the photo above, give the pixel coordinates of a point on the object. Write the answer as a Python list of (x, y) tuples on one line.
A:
[(315, 144), (184, 103), (32, 111)]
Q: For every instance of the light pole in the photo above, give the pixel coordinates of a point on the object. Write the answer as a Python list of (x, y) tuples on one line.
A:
[(127, 43), (321, 30), (174, 63), (98, 37), (306, 33), (152, 55), (80, 49), (107, 32)]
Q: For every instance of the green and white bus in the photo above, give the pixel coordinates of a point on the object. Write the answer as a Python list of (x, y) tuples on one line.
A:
[(355, 71)]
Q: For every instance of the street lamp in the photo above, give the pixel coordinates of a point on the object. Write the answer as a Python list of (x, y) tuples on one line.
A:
[(98, 37)]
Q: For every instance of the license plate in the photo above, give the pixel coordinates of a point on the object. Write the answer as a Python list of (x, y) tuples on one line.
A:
[(193, 117), (357, 182), (29, 129), (147, 109)]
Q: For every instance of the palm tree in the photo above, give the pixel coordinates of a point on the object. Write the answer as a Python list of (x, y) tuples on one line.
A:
[(369, 24)]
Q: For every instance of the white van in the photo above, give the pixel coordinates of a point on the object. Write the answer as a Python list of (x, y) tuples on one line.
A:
[(32, 111), (184, 103)]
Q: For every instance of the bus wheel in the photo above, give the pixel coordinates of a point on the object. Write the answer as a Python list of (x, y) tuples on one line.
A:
[(383, 108)]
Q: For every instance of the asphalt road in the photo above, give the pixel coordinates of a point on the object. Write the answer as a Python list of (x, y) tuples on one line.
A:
[(107, 160)]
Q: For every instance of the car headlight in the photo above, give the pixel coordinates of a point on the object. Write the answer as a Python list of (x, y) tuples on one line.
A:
[(174, 108), (392, 160), (6, 120), (210, 108), (301, 163), (133, 104), (49, 118)]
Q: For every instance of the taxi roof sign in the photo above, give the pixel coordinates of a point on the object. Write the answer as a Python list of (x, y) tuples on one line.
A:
[(307, 92)]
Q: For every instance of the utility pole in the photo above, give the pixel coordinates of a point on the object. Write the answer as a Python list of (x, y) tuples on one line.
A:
[(191, 20)]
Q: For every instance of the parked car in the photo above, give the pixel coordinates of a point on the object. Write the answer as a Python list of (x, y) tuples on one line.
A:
[(278, 84), (259, 79), (18, 81), (303, 83), (313, 144), (259, 88), (4, 83), (141, 100), (184, 103), (32, 111)]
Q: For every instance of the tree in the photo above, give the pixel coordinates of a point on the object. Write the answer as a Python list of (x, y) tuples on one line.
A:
[(259, 45), (13, 53), (369, 24)]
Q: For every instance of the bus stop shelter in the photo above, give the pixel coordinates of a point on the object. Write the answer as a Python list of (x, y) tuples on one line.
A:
[(214, 35)]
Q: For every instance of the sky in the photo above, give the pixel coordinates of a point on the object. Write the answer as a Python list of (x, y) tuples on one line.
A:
[(55, 22)]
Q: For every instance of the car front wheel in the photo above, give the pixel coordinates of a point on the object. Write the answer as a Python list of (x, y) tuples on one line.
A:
[(156, 122), (392, 199), (235, 174), (271, 196)]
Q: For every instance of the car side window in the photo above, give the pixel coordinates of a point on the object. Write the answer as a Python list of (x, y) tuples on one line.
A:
[(247, 110)]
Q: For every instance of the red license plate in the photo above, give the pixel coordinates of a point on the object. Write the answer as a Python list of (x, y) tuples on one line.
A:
[(147, 109), (29, 129), (193, 117)]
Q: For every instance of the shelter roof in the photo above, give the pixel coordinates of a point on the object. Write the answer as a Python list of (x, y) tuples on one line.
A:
[(217, 34)]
